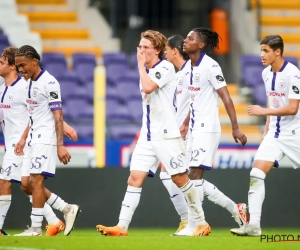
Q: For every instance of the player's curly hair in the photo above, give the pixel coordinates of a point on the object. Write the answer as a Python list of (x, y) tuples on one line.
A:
[(28, 51), (209, 37), (9, 54), (158, 40), (274, 41), (176, 42)]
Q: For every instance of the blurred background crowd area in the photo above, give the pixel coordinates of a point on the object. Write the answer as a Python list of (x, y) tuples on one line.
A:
[(76, 36)]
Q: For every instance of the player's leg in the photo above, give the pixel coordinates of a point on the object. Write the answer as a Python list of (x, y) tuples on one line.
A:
[(10, 171), (54, 224), (238, 211), (70, 211), (268, 155), (143, 159), (176, 197), (172, 154)]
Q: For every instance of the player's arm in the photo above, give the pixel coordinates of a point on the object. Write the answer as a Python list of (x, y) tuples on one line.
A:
[(148, 85), (185, 126), (19, 147), (70, 132), (290, 109)]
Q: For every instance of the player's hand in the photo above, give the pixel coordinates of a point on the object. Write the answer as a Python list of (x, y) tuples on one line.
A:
[(238, 135), (63, 155), (19, 148), (183, 131), (70, 132), (255, 110), (141, 58)]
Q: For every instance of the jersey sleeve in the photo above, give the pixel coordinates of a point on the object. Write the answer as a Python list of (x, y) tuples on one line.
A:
[(294, 85), (163, 75), (216, 77), (54, 95)]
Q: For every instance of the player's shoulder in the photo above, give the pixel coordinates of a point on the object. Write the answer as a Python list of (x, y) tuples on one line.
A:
[(292, 69), (49, 79), (164, 65), (210, 64)]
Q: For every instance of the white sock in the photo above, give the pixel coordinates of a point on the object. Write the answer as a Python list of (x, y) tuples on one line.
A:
[(199, 187), (256, 195), (30, 198), (49, 215), (215, 195), (37, 217), (129, 204), (196, 214), (176, 196), (5, 201), (57, 203)]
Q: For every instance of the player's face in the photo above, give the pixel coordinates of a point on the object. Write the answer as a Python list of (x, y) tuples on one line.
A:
[(26, 66), (170, 54), (192, 43), (148, 50), (268, 55), (5, 68)]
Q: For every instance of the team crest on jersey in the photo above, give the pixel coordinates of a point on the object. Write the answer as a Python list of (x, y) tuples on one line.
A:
[(180, 81), (197, 77), (35, 92), (10, 96), (282, 83), (275, 103)]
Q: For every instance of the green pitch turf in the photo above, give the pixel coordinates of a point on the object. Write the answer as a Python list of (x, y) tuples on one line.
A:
[(144, 239)]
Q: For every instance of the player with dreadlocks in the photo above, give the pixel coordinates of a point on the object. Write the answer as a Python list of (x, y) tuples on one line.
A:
[(46, 139), (206, 85)]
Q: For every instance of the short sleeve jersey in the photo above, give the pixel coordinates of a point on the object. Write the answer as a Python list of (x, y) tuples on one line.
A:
[(280, 87), (43, 97), (159, 122), (206, 77)]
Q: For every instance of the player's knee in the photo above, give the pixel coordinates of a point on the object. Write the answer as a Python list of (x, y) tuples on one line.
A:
[(5, 187), (26, 187), (36, 181), (196, 173), (180, 179), (257, 174), (135, 181)]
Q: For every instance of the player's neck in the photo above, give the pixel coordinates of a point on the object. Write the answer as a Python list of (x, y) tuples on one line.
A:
[(35, 75), (277, 65), (9, 79), (178, 63), (152, 63), (195, 57)]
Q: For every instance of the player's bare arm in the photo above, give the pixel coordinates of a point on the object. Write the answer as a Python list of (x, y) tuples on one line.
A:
[(62, 153), (21, 144), (147, 84), (237, 134), (290, 109), (70, 132), (185, 126)]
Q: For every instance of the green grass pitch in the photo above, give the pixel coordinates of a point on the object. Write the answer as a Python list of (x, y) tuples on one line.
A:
[(144, 239)]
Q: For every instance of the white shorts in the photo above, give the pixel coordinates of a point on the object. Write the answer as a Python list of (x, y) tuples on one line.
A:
[(11, 168), (202, 148), (274, 149), (171, 153), (41, 159)]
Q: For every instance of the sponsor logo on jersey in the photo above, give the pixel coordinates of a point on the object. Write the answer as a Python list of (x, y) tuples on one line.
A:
[(31, 102), (53, 95), (295, 89), (51, 82), (220, 78), (194, 88), (275, 103), (157, 75), (298, 77), (4, 106), (272, 93), (179, 92), (215, 65)]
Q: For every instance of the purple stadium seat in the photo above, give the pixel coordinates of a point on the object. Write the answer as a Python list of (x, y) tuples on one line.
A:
[(117, 112), (3, 42), (77, 107), (53, 57), (113, 58), (123, 132), (291, 59), (56, 69), (114, 72), (85, 130), (128, 90), (259, 95), (112, 94), (135, 109), (85, 71), (252, 75), (79, 58)]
